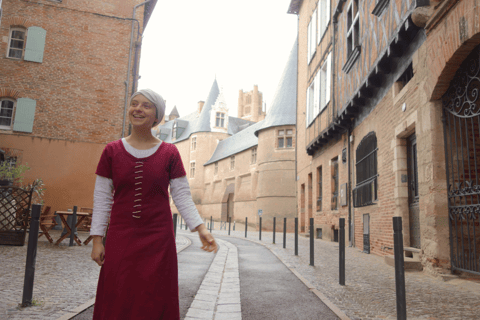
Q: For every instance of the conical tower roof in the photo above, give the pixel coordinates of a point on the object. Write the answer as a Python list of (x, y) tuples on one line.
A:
[(175, 112), (283, 108), (203, 123)]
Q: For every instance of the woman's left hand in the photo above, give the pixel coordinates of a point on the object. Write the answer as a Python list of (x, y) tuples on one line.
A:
[(208, 242)]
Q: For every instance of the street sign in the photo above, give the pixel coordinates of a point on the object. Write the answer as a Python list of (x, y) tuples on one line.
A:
[(260, 211)]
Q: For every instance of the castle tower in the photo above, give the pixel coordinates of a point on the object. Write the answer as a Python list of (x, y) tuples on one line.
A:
[(250, 105)]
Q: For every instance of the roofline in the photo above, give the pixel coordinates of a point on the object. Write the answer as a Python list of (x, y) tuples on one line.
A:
[(294, 6), (149, 7), (207, 163)]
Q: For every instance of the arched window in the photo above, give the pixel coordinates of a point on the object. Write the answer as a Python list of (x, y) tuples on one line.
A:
[(6, 113), (365, 192)]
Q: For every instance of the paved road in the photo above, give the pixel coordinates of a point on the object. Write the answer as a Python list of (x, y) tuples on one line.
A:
[(269, 290)]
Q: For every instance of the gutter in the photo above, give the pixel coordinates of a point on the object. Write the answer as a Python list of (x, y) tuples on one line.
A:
[(127, 82)]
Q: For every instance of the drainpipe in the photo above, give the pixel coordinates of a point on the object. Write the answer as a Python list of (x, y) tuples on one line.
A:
[(127, 82), (296, 129)]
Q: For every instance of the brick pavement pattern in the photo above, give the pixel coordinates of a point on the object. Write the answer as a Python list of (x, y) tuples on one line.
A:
[(65, 278), (369, 292)]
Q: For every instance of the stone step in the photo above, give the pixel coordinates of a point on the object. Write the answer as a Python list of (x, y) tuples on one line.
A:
[(412, 252), (411, 264)]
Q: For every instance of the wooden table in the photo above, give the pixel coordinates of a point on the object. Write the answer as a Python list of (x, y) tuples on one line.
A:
[(63, 216)]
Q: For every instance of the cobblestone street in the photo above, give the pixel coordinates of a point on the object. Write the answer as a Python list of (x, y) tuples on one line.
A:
[(65, 277), (369, 292)]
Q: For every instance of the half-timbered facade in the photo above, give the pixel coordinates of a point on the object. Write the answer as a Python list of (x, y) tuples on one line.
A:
[(387, 125)]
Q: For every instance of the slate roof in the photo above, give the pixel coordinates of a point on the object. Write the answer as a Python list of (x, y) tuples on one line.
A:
[(283, 108), (239, 142), (194, 122)]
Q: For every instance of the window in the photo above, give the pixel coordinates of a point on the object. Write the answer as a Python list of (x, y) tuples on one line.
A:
[(232, 162), (216, 168), (6, 113), (220, 120), (353, 27), (254, 156), (23, 118), (319, 189), (312, 37), (334, 168), (365, 192), (323, 17), (192, 169), (318, 94), (16, 43), (324, 90), (406, 76), (285, 138), (194, 143)]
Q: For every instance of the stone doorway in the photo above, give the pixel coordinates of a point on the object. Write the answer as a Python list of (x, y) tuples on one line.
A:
[(413, 194), (228, 203)]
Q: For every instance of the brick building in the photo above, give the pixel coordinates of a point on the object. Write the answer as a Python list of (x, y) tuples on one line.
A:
[(239, 165), (66, 78), (388, 117)]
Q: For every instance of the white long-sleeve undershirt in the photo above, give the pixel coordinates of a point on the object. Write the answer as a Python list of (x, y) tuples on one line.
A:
[(103, 197)]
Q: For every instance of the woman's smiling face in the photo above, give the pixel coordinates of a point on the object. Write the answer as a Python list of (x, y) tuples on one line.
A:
[(142, 112)]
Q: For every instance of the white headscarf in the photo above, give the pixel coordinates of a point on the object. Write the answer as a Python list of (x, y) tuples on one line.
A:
[(154, 98)]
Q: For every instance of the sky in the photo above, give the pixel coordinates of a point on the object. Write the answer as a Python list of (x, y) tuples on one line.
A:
[(189, 43)]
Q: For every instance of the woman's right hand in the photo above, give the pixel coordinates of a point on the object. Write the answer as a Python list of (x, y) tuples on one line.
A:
[(98, 251)]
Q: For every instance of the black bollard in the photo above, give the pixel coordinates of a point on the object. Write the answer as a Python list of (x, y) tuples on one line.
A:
[(211, 224), (181, 223), (399, 268), (296, 236), (246, 224), (175, 224), (229, 224), (341, 251), (73, 227), (185, 225), (31, 256), (233, 225), (260, 231), (284, 233), (274, 228), (311, 243)]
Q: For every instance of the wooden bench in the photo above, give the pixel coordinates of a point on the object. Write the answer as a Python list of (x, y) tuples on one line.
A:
[(47, 222)]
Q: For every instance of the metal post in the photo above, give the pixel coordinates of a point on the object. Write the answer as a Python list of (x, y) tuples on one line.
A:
[(311, 243), (246, 224), (31, 256), (175, 224), (186, 225), (341, 251), (274, 228), (229, 224), (73, 227), (296, 236), (260, 231), (284, 233), (211, 224), (233, 225), (181, 223), (399, 268)]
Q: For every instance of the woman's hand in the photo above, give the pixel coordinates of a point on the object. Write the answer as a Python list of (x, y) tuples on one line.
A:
[(208, 242), (98, 251)]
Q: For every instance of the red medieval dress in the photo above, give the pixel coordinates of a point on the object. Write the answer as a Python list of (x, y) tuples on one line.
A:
[(139, 278)]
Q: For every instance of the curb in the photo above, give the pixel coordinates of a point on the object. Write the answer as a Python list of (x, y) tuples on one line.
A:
[(339, 313), (74, 312)]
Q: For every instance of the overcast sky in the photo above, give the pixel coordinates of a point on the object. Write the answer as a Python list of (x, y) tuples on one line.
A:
[(242, 43)]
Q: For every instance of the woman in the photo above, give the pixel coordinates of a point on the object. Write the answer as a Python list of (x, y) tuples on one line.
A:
[(139, 278)]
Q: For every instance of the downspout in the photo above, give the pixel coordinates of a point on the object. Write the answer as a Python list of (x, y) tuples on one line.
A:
[(127, 82), (296, 127)]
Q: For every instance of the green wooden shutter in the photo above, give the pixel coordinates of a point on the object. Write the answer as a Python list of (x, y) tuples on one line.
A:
[(24, 115), (35, 44)]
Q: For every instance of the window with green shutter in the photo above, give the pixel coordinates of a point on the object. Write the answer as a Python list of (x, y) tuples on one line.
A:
[(35, 44), (6, 113), (24, 115)]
